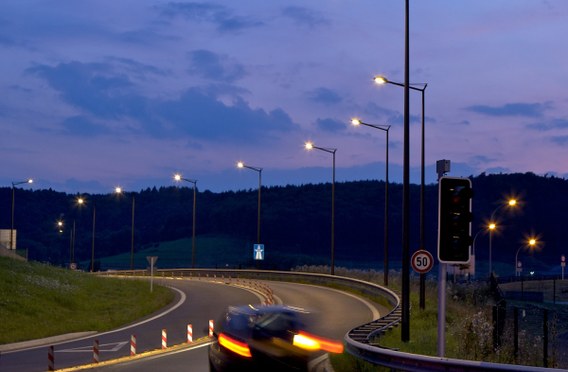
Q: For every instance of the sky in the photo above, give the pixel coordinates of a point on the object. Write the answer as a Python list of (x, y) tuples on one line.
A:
[(102, 93)]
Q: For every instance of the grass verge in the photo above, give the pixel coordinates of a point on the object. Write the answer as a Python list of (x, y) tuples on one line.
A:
[(38, 301)]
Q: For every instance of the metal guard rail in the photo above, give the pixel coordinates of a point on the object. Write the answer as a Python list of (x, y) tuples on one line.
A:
[(359, 348)]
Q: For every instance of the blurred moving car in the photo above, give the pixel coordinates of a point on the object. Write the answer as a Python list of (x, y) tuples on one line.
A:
[(274, 338)]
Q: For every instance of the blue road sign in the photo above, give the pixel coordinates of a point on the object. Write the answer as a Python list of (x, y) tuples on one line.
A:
[(258, 252)]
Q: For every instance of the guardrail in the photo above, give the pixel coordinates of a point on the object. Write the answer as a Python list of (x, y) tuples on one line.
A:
[(357, 340)]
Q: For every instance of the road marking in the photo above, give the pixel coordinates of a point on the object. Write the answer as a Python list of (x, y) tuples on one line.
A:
[(89, 349)]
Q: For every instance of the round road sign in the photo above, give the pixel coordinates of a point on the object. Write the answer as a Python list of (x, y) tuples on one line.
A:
[(422, 261)]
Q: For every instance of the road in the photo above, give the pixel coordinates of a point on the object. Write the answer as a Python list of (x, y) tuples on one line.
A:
[(196, 303)]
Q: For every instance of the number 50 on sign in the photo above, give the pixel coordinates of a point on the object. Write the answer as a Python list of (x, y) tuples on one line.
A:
[(422, 261)]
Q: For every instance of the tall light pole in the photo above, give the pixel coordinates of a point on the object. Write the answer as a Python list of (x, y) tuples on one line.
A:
[(119, 191), (241, 165), (531, 243), (311, 146), (511, 203), (420, 87), (14, 184), (384, 128), (178, 178), (80, 202)]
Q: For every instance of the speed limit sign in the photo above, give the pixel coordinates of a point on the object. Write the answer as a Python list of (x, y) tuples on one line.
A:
[(422, 261)]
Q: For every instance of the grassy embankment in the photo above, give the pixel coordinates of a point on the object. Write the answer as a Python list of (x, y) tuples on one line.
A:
[(38, 300)]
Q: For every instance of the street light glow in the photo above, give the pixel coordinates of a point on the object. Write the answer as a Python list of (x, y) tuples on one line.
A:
[(512, 202), (492, 226), (118, 190), (80, 200), (177, 177), (379, 79), (309, 145), (240, 164), (355, 121), (532, 242)]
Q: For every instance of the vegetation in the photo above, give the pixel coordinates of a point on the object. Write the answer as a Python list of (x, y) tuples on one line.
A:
[(38, 301), (295, 223)]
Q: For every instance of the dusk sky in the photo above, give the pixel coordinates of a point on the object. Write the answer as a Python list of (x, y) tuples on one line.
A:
[(100, 93)]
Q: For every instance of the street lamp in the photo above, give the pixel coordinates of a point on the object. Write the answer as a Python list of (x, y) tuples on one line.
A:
[(311, 146), (405, 319), (241, 165), (421, 87), (531, 243), (511, 203), (118, 190), (14, 184), (179, 178), (384, 128)]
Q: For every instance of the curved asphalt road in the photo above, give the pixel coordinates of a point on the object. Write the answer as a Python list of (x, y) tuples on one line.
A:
[(196, 303)]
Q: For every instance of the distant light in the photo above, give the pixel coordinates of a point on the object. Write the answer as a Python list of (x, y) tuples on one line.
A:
[(379, 79), (532, 241), (355, 121), (240, 164), (492, 226), (309, 145), (30, 181), (118, 190), (177, 177), (512, 202), (532, 273), (80, 200)]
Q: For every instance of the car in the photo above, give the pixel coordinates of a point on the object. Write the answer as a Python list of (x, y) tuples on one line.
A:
[(267, 338)]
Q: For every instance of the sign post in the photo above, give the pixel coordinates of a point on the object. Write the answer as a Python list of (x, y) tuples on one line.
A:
[(152, 260)]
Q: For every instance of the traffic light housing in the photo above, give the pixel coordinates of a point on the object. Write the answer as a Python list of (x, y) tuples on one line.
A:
[(454, 219)]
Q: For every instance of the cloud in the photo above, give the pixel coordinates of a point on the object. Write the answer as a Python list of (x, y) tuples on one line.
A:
[(214, 66), (549, 125), (305, 17), (221, 16), (560, 140), (325, 96), (201, 115), (330, 125), (83, 126), (512, 109)]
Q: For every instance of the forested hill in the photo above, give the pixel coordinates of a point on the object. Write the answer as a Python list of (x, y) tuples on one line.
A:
[(294, 219)]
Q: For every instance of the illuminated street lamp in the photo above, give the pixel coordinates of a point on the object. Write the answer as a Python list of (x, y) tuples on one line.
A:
[(531, 243), (384, 128), (14, 184), (241, 165), (179, 178), (311, 146), (118, 190), (511, 203), (381, 80)]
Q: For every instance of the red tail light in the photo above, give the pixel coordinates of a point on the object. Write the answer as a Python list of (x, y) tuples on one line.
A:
[(308, 341), (235, 346)]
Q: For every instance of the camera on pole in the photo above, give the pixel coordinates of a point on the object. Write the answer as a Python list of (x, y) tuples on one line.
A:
[(454, 219)]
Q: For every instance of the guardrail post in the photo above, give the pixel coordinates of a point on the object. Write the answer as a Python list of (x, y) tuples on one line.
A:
[(211, 327), (189, 334), (96, 351), (132, 345), (164, 339), (50, 359)]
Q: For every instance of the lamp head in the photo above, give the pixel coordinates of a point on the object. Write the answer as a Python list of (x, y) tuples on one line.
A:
[(355, 121), (512, 202), (309, 145), (177, 177), (240, 164), (118, 190), (379, 79), (492, 226)]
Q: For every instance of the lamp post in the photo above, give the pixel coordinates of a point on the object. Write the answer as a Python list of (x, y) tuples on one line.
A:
[(492, 226), (531, 243), (119, 191), (14, 184), (241, 165), (384, 128), (80, 202), (178, 178), (311, 146), (380, 79)]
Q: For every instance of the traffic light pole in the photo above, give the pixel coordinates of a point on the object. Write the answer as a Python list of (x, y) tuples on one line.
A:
[(441, 169)]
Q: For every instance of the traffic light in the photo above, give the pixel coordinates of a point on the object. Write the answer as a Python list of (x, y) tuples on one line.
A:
[(454, 219)]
